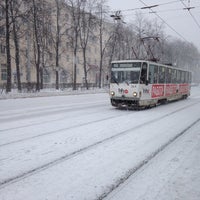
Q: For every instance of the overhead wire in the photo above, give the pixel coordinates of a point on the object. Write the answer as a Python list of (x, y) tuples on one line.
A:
[(157, 5), (157, 11), (189, 8), (164, 21), (161, 4)]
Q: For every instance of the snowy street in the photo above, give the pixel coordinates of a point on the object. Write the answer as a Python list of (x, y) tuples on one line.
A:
[(79, 147)]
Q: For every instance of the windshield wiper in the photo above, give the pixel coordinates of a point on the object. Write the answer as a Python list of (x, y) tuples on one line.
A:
[(126, 82)]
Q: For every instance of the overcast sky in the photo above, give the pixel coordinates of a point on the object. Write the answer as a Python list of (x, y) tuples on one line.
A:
[(186, 25)]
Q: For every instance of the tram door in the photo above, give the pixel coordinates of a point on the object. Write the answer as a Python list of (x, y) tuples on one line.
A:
[(143, 76), (144, 85)]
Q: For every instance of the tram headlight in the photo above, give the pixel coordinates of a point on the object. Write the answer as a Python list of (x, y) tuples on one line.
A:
[(135, 94), (112, 93)]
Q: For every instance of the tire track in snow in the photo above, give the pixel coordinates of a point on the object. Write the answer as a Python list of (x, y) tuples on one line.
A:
[(60, 130), (76, 126), (136, 168), (43, 112), (87, 148)]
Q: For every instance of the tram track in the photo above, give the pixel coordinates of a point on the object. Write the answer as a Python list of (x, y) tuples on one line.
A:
[(82, 125), (144, 162), (46, 111), (68, 156), (59, 130)]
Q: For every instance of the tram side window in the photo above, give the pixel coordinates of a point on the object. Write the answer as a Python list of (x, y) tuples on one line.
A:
[(186, 77), (153, 74), (174, 71), (161, 75), (178, 76), (185, 80), (182, 77), (190, 77), (168, 75)]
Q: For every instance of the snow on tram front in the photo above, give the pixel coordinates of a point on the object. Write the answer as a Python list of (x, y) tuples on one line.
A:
[(140, 83)]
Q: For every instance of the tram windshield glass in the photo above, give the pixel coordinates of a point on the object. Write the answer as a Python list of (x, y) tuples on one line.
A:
[(125, 72)]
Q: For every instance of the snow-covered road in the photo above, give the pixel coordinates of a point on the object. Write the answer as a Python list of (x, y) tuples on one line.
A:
[(79, 147)]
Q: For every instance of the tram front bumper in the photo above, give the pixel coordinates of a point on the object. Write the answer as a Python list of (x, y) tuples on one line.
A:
[(124, 102)]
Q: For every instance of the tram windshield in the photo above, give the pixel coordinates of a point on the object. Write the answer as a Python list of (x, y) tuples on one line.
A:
[(125, 72)]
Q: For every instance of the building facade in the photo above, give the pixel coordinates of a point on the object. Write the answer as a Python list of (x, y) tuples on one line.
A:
[(51, 35)]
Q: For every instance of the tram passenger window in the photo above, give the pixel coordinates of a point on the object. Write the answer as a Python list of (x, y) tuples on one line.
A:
[(174, 76), (178, 76), (186, 77), (153, 74), (161, 75), (190, 77), (182, 77), (143, 77), (188, 81), (169, 75)]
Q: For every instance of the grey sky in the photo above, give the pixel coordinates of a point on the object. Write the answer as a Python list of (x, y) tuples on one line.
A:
[(185, 24)]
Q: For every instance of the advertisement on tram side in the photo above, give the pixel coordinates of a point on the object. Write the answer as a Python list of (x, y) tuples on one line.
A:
[(157, 90)]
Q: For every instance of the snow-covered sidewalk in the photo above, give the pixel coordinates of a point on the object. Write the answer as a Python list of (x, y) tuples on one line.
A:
[(14, 94)]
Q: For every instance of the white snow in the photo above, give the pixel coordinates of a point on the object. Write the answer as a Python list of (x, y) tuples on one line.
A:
[(82, 148)]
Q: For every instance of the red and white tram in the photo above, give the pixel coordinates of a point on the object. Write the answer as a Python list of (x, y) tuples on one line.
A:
[(139, 83)]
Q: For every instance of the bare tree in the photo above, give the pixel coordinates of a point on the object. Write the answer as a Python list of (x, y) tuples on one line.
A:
[(75, 13), (40, 16), (104, 38), (149, 36), (58, 7), (15, 15), (9, 74), (36, 29), (87, 22)]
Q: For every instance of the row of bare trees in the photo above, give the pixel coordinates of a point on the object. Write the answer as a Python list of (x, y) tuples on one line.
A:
[(17, 14), (145, 39), (44, 24)]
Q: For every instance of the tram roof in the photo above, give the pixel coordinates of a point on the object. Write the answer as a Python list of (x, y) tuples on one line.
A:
[(149, 61), (127, 61)]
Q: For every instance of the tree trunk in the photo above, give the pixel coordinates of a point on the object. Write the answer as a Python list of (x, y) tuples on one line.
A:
[(16, 49), (9, 73), (74, 70), (38, 48), (85, 68), (57, 43), (101, 55)]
